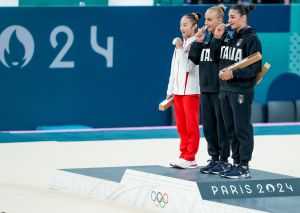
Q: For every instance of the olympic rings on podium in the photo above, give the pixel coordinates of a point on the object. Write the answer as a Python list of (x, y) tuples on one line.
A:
[(159, 199)]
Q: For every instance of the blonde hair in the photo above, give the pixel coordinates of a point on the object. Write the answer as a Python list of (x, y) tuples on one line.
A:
[(219, 9), (194, 17)]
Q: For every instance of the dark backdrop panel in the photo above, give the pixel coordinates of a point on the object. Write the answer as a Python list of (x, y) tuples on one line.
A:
[(90, 92)]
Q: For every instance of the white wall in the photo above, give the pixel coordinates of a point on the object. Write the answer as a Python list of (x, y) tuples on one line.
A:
[(130, 3), (9, 3)]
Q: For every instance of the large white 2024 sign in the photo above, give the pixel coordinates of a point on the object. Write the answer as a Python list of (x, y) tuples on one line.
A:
[(26, 39)]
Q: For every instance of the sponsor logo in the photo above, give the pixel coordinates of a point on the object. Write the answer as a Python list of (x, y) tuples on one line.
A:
[(241, 99), (239, 42)]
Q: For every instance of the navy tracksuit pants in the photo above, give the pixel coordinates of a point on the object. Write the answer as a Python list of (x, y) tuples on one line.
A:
[(213, 127), (236, 110)]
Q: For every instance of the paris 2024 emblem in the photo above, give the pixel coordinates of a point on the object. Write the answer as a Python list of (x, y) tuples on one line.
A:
[(17, 47)]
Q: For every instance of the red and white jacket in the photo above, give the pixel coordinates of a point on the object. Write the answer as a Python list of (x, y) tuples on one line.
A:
[(184, 76)]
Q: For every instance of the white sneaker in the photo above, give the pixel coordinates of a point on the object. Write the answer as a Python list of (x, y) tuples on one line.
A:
[(177, 161), (185, 164)]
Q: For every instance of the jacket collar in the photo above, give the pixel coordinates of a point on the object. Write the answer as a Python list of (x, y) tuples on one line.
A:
[(187, 42)]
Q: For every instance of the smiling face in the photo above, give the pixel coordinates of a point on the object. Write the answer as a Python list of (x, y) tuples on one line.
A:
[(236, 20), (187, 28), (212, 20)]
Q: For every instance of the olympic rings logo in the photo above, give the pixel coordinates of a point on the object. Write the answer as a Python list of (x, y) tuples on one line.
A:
[(159, 199)]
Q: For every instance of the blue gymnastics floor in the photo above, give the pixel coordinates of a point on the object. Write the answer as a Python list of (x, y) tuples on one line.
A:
[(128, 133)]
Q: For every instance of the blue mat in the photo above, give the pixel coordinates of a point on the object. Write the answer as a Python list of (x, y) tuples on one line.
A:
[(7, 137)]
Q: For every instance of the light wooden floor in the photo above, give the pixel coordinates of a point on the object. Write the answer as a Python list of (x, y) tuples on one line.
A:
[(26, 168)]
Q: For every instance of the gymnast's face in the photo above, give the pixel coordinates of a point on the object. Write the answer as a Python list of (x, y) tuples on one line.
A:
[(212, 20), (236, 20), (187, 28)]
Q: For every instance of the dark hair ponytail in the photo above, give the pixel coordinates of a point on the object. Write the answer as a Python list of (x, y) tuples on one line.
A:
[(243, 9), (251, 7)]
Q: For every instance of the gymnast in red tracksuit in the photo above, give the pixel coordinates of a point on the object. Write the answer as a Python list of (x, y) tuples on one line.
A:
[(184, 86)]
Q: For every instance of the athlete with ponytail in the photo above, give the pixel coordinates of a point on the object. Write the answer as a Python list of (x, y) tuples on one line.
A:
[(212, 119), (184, 87), (237, 87)]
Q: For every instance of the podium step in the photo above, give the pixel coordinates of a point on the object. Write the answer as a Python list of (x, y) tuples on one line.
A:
[(174, 190)]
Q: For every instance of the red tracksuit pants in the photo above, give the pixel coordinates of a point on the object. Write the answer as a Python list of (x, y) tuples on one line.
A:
[(187, 122)]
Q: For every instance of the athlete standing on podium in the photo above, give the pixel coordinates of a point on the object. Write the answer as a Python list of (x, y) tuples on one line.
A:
[(184, 86), (212, 119), (237, 87)]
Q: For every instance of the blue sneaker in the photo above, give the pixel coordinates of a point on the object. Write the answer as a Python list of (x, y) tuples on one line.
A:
[(220, 168), (230, 168), (207, 168), (239, 172)]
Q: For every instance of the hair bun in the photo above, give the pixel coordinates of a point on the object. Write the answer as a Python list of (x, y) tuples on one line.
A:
[(251, 7), (197, 15), (222, 7)]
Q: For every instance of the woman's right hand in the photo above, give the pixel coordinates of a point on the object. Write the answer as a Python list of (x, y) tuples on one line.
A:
[(200, 36), (179, 43), (169, 96), (219, 31)]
